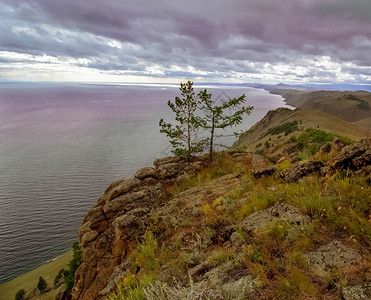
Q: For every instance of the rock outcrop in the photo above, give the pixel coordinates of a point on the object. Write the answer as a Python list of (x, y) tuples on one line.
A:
[(111, 229), (278, 212), (298, 170)]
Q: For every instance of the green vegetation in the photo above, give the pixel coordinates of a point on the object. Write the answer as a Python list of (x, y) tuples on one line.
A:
[(41, 285), (19, 295), (204, 233), (287, 128), (182, 135), (73, 265), (28, 281), (62, 273), (215, 116)]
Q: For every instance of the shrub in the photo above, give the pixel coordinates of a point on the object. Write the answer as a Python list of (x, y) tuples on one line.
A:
[(41, 285), (73, 265), (287, 128), (60, 274), (19, 295)]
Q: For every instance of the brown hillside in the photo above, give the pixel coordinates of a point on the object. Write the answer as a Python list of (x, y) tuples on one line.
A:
[(350, 106), (306, 118)]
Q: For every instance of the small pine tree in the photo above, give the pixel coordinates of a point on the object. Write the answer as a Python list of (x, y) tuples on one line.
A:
[(182, 135), (20, 295), (73, 265), (59, 276), (41, 285), (215, 116)]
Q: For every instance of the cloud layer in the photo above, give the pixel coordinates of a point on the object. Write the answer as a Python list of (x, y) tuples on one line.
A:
[(164, 40)]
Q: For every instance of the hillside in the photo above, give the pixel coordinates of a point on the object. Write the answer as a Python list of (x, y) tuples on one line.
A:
[(345, 114), (297, 229), (227, 231), (349, 106)]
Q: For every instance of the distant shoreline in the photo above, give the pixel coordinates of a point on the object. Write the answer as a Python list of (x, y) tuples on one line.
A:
[(28, 280)]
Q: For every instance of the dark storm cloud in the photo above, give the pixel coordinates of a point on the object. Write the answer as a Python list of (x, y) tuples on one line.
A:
[(239, 36)]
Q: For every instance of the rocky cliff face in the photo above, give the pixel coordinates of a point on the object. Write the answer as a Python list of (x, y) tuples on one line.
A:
[(110, 230), (236, 231)]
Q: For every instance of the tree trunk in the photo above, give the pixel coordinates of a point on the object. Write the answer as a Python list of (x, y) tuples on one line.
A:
[(212, 138)]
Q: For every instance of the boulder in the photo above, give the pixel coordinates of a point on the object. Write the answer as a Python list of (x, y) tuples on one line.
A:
[(120, 187), (344, 159), (358, 292), (278, 212), (333, 255), (88, 237), (299, 170), (144, 173), (173, 170), (167, 160), (264, 172)]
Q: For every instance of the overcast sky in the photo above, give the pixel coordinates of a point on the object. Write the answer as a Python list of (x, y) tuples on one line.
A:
[(269, 41)]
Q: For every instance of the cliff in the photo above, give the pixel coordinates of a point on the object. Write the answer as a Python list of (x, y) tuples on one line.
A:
[(185, 230)]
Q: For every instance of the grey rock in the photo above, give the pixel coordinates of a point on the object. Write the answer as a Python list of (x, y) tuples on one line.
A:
[(359, 292), (145, 173), (120, 187), (344, 159), (278, 212), (299, 170), (333, 255), (124, 203), (166, 160)]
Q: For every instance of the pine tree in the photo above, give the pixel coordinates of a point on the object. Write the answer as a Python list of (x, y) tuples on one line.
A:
[(41, 285), (216, 118), (183, 135)]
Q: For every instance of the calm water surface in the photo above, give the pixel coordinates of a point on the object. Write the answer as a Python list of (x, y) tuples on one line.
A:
[(62, 145)]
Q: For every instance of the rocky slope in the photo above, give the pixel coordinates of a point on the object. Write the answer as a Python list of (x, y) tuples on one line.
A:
[(112, 228), (193, 229)]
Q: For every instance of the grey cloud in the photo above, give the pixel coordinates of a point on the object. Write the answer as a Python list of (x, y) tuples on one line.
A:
[(218, 35)]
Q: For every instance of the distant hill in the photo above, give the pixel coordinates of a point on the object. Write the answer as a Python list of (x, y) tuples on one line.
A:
[(350, 106)]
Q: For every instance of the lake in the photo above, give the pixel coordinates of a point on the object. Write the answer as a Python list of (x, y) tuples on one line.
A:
[(61, 145)]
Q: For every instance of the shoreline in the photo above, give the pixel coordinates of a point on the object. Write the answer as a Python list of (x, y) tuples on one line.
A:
[(28, 281)]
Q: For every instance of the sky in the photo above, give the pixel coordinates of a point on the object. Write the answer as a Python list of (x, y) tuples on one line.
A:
[(231, 41)]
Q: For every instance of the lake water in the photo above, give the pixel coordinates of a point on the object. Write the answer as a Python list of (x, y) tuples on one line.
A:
[(62, 145)]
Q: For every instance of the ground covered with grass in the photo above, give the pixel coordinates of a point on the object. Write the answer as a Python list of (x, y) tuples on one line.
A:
[(224, 234)]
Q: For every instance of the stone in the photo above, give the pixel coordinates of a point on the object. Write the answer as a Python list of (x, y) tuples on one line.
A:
[(299, 170), (119, 272), (236, 239), (120, 187), (132, 219), (144, 173), (333, 255), (362, 161), (84, 228), (264, 172), (278, 212), (124, 203), (88, 237), (344, 159), (358, 292), (173, 170), (166, 160)]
